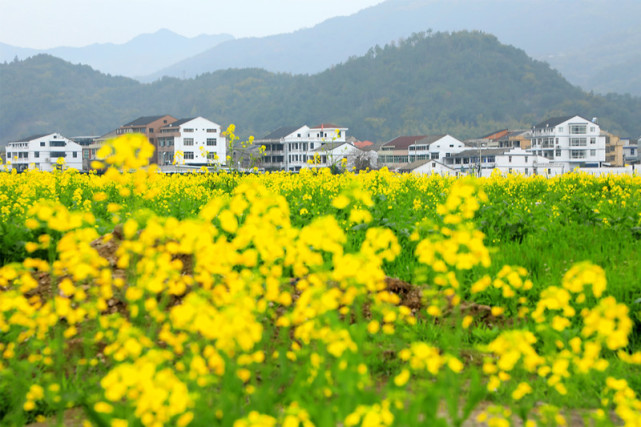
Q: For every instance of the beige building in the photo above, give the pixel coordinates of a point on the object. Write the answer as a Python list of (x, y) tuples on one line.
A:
[(613, 149), (148, 126)]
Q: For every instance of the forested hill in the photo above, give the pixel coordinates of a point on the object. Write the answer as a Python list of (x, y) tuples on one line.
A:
[(464, 83)]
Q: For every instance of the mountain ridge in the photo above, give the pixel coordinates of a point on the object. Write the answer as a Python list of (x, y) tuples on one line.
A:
[(540, 27), (464, 83), (151, 52)]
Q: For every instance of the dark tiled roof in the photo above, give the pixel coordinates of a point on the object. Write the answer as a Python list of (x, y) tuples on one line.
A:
[(32, 137), (514, 133), (551, 122), (178, 123), (140, 121), (282, 132), (430, 139), (404, 141)]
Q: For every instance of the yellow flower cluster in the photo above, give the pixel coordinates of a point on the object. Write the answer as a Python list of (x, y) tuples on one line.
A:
[(224, 308)]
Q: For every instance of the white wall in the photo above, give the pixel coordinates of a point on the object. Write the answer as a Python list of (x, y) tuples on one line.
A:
[(199, 133), (37, 153), (561, 140)]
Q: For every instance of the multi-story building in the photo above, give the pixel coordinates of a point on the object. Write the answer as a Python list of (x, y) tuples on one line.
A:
[(42, 152), (395, 153), (630, 151), (572, 140), (519, 161), (613, 149), (515, 139), (293, 148), (434, 147), (148, 126), (401, 151), (194, 141), (474, 160)]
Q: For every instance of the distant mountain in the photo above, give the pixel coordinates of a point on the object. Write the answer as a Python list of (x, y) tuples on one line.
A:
[(466, 84), (140, 56), (549, 30), (610, 63)]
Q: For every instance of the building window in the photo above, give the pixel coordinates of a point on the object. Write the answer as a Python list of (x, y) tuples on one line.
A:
[(527, 171), (509, 159), (151, 130), (211, 156), (188, 130), (211, 130), (42, 143), (189, 141), (189, 155), (578, 142), (75, 154), (560, 128), (558, 153), (577, 154), (579, 129), (592, 153), (592, 140), (57, 144), (526, 160), (591, 128), (211, 141), (56, 154)]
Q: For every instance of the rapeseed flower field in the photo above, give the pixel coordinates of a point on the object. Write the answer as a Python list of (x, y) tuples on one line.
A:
[(370, 299)]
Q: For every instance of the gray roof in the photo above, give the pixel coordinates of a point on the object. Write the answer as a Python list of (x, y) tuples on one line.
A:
[(419, 163), (375, 147), (32, 137), (140, 121), (178, 122), (551, 122), (484, 152), (430, 139), (282, 132), (328, 146)]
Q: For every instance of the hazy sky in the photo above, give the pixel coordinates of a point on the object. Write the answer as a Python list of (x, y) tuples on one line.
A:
[(51, 23)]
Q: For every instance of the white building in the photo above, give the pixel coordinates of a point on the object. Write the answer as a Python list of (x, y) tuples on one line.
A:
[(292, 148), (338, 154), (519, 161), (429, 167), (42, 152), (434, 147), (630, 151), (572, 140), (193, 141)]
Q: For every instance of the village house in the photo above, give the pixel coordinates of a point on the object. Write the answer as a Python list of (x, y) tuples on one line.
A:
[(572, 140), (519, 161), (429, 167), (148, 126), (296, 147), (42, 152), (630, 151), (474, 160), (193, 141), (613, 150), (403, 150)]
